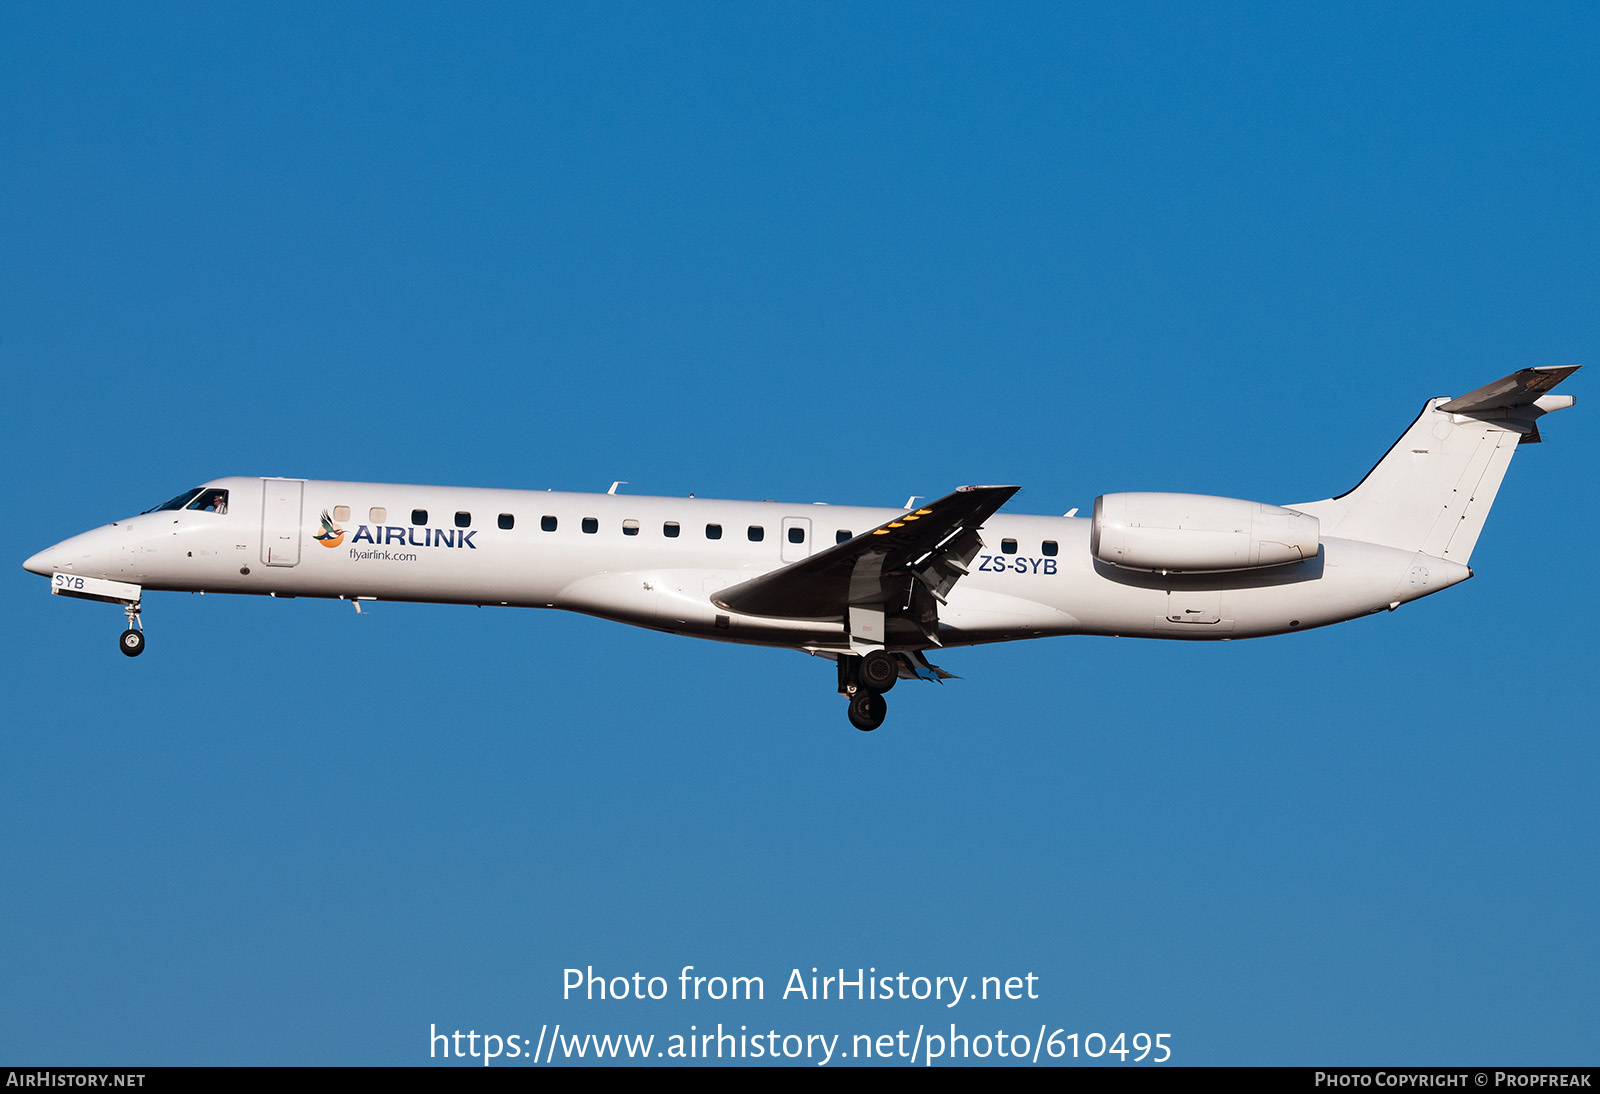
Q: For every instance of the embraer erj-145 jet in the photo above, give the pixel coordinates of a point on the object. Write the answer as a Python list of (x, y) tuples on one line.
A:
[(872, 589)]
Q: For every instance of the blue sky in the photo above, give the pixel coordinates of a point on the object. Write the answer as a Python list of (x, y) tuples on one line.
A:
[(811, 252)]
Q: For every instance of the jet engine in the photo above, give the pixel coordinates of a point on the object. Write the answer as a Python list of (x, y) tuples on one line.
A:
[(1196, 533)]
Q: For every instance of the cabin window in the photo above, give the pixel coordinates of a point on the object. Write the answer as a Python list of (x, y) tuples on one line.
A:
[(377, 514), (843, 535), (211, 501), (547, 523), (419, 516), (713, 531), (1009, 546), (1048, 547), (341, 512), (463, 520), (756, 533), (630, 527), (507, 522), (670, 529), (590, 526), (797, 534)]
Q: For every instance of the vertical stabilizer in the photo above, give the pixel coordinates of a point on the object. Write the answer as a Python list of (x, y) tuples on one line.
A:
[(1432, 491)]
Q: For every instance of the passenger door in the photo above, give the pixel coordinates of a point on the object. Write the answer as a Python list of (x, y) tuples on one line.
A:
[(281, 503)]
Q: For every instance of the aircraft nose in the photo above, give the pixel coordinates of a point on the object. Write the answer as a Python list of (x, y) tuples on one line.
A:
[(42, 563), (87, 553)]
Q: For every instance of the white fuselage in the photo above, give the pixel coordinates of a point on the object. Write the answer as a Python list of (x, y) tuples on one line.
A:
[(613, 556)]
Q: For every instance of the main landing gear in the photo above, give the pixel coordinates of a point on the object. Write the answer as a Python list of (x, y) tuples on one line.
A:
[(863, 680), (132, 640), (867, 710)]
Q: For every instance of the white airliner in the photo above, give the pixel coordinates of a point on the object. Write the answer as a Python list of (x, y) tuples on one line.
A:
[(872, 589)]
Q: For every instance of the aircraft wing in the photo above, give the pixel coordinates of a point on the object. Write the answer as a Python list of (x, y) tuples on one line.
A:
[(932, 545)]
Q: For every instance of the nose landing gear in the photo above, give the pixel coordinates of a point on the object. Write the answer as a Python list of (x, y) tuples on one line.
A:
[(131, 642)]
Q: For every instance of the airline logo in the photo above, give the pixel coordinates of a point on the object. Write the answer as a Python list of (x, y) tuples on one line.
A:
[(382, 535), (416, 537), (332, 535)]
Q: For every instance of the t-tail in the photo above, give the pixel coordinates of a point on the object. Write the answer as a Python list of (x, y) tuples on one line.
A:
[(1433, 489)]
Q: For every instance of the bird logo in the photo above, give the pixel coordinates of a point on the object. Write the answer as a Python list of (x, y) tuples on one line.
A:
[(332, 535)]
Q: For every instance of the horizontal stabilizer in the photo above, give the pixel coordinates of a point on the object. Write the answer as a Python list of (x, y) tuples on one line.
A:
[(1519, 389)]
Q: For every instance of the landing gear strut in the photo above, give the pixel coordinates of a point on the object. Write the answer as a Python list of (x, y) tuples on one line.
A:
[(132, 640)]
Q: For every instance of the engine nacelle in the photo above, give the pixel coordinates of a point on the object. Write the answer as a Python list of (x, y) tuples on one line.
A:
[(1196, 533)]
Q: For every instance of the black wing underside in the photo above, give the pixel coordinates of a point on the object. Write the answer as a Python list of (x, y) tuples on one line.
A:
[(910, 559)]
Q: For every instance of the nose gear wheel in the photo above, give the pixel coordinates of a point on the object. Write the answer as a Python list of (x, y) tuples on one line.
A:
[(131, 641)]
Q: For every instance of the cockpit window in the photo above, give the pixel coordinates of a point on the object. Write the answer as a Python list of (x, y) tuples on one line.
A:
[(180, 502), (210, 501), (201, 498)]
